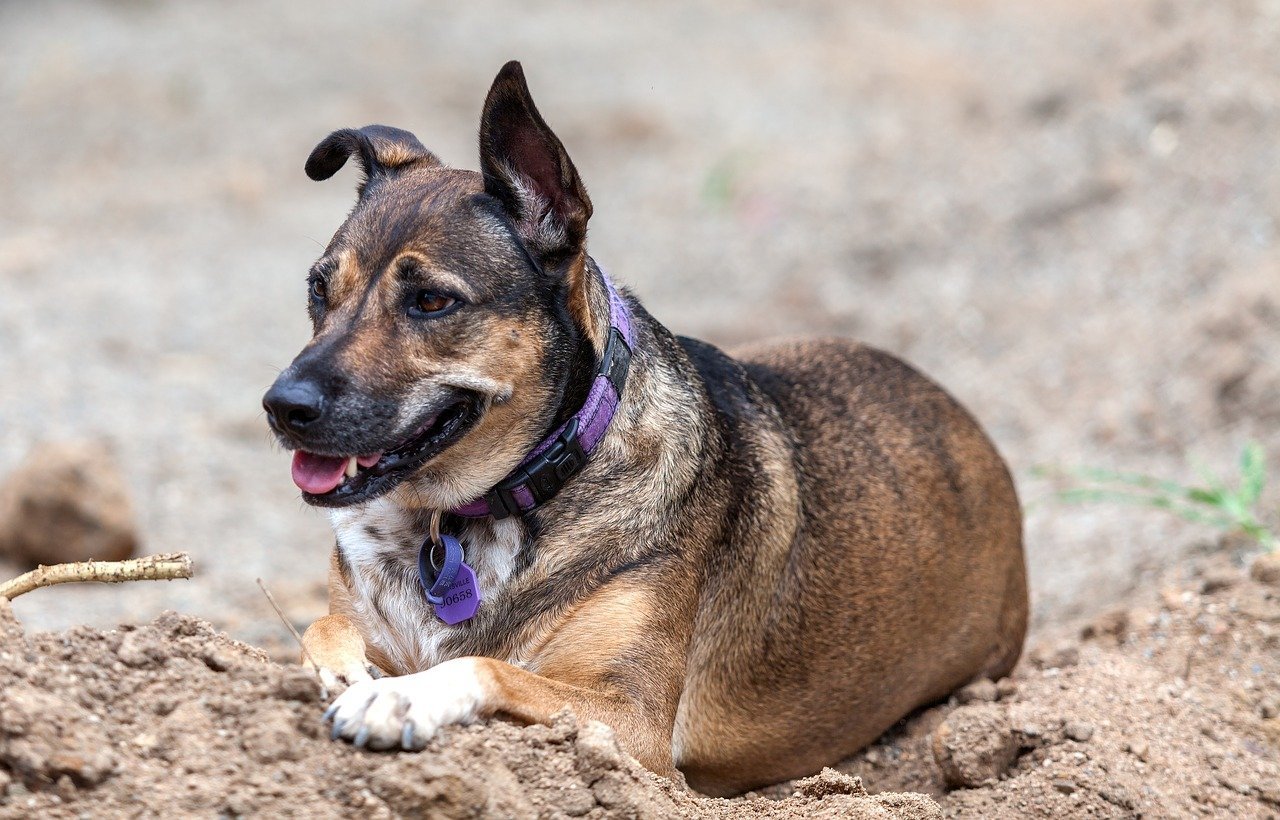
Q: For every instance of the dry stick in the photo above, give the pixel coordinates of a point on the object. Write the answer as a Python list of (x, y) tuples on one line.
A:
[(315, 667), (165, 567)]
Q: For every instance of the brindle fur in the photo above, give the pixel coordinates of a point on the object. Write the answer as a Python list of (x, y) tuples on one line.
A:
[(769, 560)]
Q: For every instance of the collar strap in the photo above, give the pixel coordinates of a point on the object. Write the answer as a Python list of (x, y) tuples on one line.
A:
[(562, 454)]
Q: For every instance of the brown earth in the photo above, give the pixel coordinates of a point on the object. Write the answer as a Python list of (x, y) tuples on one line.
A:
[(173, 718), (1169, 708)]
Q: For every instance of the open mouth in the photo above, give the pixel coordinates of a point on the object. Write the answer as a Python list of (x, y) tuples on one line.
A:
[(338, 481)]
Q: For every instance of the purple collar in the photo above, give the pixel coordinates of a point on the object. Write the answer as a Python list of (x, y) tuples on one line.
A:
[(562, 454)]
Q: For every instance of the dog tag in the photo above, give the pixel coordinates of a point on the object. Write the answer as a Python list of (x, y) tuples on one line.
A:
[(454, 592), (461, 599)]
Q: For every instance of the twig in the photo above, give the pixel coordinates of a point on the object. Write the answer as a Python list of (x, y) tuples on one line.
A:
[(165, 567), (315, 667)]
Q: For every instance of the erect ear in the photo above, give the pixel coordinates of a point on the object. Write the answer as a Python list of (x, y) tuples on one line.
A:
[(527, 169), (380, 149)]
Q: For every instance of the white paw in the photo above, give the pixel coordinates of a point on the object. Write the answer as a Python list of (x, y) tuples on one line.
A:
[(407, 711)]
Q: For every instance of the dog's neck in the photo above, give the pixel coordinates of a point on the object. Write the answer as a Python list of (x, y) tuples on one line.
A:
[(564, 452)]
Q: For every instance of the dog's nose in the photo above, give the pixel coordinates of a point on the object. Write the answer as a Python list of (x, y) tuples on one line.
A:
[(294, 405)]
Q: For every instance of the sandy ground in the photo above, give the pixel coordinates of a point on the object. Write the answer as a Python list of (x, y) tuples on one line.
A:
[(1167, 707)]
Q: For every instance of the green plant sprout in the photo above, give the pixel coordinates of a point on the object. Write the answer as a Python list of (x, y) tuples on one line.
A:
[(1215, 504)]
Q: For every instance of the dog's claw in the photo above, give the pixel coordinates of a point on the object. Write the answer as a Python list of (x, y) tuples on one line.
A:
[(362, 738), (406, 736), (330, 712), (337, 729)]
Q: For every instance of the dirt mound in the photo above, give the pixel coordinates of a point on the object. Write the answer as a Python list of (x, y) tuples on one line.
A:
[(1169, 708), (1165, 709), (173, 718)]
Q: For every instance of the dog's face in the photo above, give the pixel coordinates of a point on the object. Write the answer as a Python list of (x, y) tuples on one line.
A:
[(447, 313)]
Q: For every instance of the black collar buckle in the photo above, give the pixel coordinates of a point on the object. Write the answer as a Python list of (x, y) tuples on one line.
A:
[(544, 476)]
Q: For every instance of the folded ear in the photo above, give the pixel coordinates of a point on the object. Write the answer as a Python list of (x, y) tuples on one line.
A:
[(527, 169), (380, 150)]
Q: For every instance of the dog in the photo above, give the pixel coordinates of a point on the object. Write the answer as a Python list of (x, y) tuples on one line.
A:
[(749, 566)]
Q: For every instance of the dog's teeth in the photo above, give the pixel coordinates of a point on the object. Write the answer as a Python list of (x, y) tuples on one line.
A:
[(352, 466)]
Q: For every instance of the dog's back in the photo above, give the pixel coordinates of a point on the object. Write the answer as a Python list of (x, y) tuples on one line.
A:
[(886, 570)]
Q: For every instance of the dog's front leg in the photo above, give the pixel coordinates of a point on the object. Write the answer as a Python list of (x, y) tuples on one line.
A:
[(334, 643), (407, 711), (337, 650)]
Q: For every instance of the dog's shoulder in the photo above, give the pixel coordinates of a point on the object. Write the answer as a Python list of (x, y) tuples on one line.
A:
[(727, 383)]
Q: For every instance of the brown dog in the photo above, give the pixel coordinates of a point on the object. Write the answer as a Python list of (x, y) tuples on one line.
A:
[(749, 567)]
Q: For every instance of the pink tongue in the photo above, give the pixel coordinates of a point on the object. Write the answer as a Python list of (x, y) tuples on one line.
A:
[(317, 474)]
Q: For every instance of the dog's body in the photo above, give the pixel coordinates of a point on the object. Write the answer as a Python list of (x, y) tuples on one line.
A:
[(765, 563)]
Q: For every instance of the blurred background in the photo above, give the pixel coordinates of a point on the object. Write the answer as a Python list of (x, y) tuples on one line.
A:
[(1064, 211)]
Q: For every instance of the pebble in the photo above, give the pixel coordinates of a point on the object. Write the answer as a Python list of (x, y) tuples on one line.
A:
[(1266, 569), (1139, 749), (1269, 708), (1078, 730), (1058, 657), (1114, 623), (981, 690), (1064, 786), (67, 501), (1216, 580), (1117, 795), (974, 745), (598, 748)]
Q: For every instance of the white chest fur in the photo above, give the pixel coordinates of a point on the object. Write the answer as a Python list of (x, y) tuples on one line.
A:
[(379, 544)]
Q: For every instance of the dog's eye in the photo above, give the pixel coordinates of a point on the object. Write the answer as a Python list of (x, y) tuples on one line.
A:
[(319, 290), (433, 303)]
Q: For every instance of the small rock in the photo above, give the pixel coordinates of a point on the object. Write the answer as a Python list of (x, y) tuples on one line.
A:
[(1139, 749), (981, 690), (1064, 786), (1114, 624), (1268, 708), (138, 649), (1078, 730), (1060, 656), (215, 657), (298, 683), (576, 802), (272, 736), (598, 748), (1266, 569), (67, 501), (828, 782), (1117, 795), (1218, 579), (974, 745)]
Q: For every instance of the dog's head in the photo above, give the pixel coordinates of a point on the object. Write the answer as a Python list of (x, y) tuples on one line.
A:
[(450, 310)]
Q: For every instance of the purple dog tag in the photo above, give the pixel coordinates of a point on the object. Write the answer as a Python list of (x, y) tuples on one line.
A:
[(461, 599), (452, 590)]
